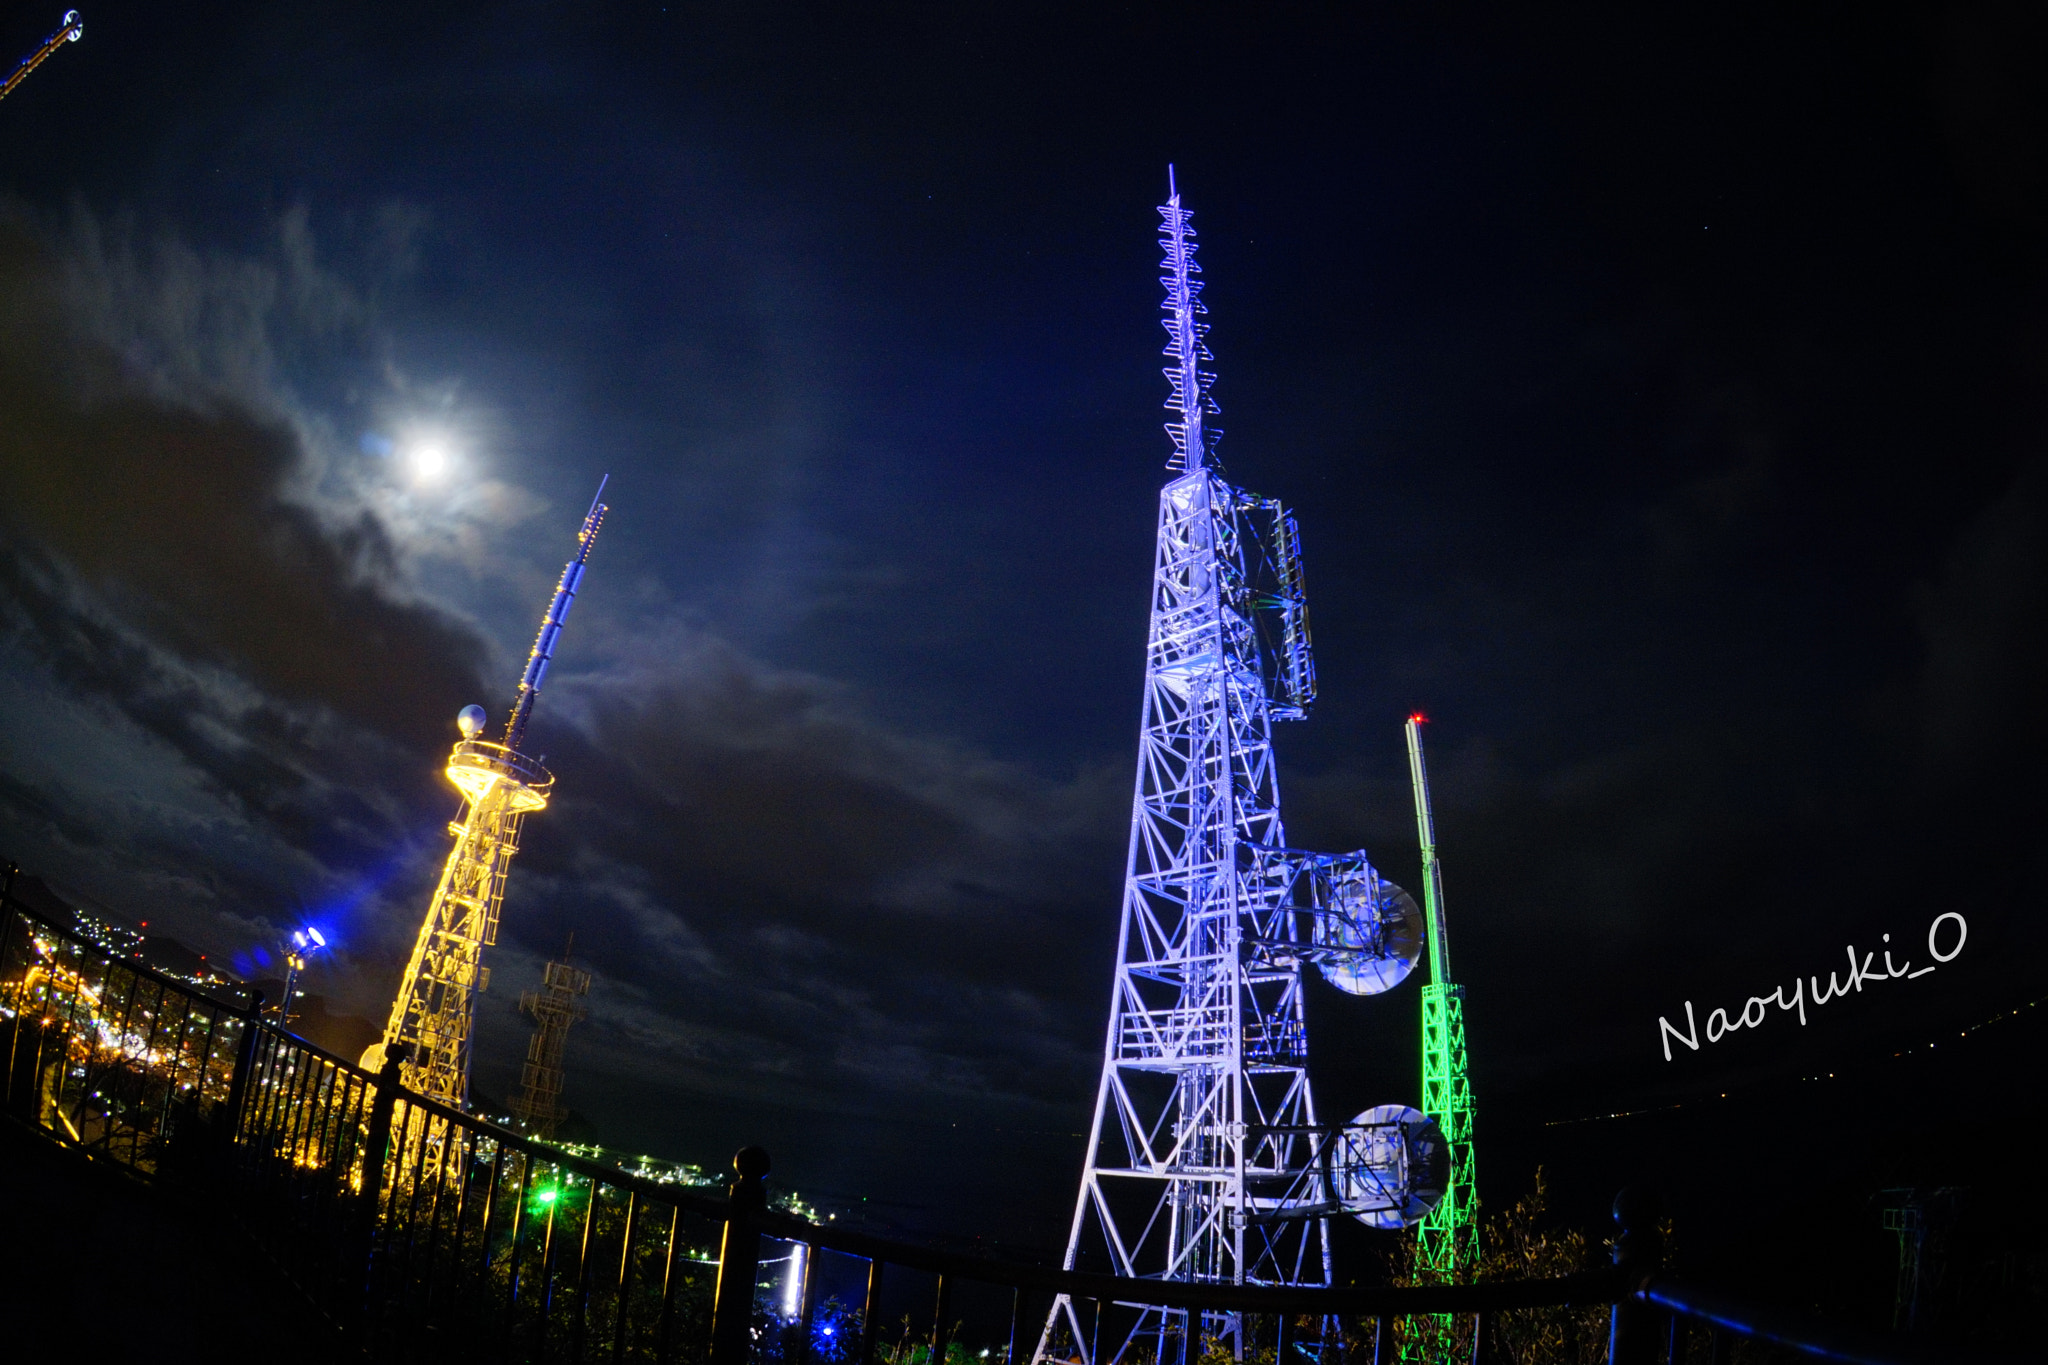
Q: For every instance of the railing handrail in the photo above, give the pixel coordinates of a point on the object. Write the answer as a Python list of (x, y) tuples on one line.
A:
[(710, 1204), (1586, 1288), (689, 1198), (508, 760), (1793, 1330), (1591, 1287), (239, 1009)]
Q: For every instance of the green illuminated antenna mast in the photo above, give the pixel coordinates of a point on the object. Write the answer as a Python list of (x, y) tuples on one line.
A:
[(1449, 1235)]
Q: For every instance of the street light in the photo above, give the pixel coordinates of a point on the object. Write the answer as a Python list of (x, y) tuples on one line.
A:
[(305, 943)]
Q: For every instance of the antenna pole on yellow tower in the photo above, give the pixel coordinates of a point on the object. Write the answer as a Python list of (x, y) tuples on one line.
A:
[(69, 31)]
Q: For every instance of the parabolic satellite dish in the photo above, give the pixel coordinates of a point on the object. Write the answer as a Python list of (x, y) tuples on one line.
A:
[(1371, 934), (1389, 1166)]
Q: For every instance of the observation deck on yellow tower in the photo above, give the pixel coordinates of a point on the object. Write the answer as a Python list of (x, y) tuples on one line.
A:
[(476, 766)]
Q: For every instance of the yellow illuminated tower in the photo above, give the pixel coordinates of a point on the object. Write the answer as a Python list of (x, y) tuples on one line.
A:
[(434, 1017)]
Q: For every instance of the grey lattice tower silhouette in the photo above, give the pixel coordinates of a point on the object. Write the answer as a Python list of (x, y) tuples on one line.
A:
[(558, 1004)]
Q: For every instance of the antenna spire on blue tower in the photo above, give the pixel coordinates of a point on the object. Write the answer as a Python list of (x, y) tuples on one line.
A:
[(551, 624), (1193, 445)]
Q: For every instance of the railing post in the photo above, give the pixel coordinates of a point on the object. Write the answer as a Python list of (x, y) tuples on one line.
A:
[(941, 1311), (808, 1310), (376, 1151), (739, 1261), (245, 1067), (625, 1272), (1631, 1332), (870, 1313), (14, 1025)]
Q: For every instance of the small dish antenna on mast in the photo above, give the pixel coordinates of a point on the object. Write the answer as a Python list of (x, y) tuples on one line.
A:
[(1389, 1166), (1371, 932)]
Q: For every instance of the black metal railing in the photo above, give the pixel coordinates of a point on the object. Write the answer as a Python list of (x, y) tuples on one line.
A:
[(1684, 1324), (402, 1216), (107, 1054), (405, 1222), (422, 1231)]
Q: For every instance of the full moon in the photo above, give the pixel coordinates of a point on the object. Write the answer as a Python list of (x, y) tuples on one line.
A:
[(428, 460)]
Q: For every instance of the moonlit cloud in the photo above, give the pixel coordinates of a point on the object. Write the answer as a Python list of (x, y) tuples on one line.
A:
[(788, 899)]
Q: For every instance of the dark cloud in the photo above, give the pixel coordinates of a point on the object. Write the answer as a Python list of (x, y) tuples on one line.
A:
[(177, 514), (819, 904), (226, 700), (1986, 668), (789, 902)]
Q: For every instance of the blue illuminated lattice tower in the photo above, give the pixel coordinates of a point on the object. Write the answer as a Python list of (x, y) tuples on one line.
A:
[(1448, 1238), (1203, 1155)]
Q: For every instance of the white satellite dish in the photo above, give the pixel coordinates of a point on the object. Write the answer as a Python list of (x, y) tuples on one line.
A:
[(1369, 932), (1389, 1166)]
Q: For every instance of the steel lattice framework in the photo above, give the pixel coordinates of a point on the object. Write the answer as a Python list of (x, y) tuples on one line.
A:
[(1204, 1154), (1448, 1238), (538, 1102), (433, 1018)]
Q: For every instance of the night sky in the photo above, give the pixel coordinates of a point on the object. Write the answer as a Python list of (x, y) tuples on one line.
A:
[(1662, 397)]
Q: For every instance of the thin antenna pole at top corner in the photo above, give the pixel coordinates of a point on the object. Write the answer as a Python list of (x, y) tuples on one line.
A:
[(1432, 872), (1172, 190), (601, 482)]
